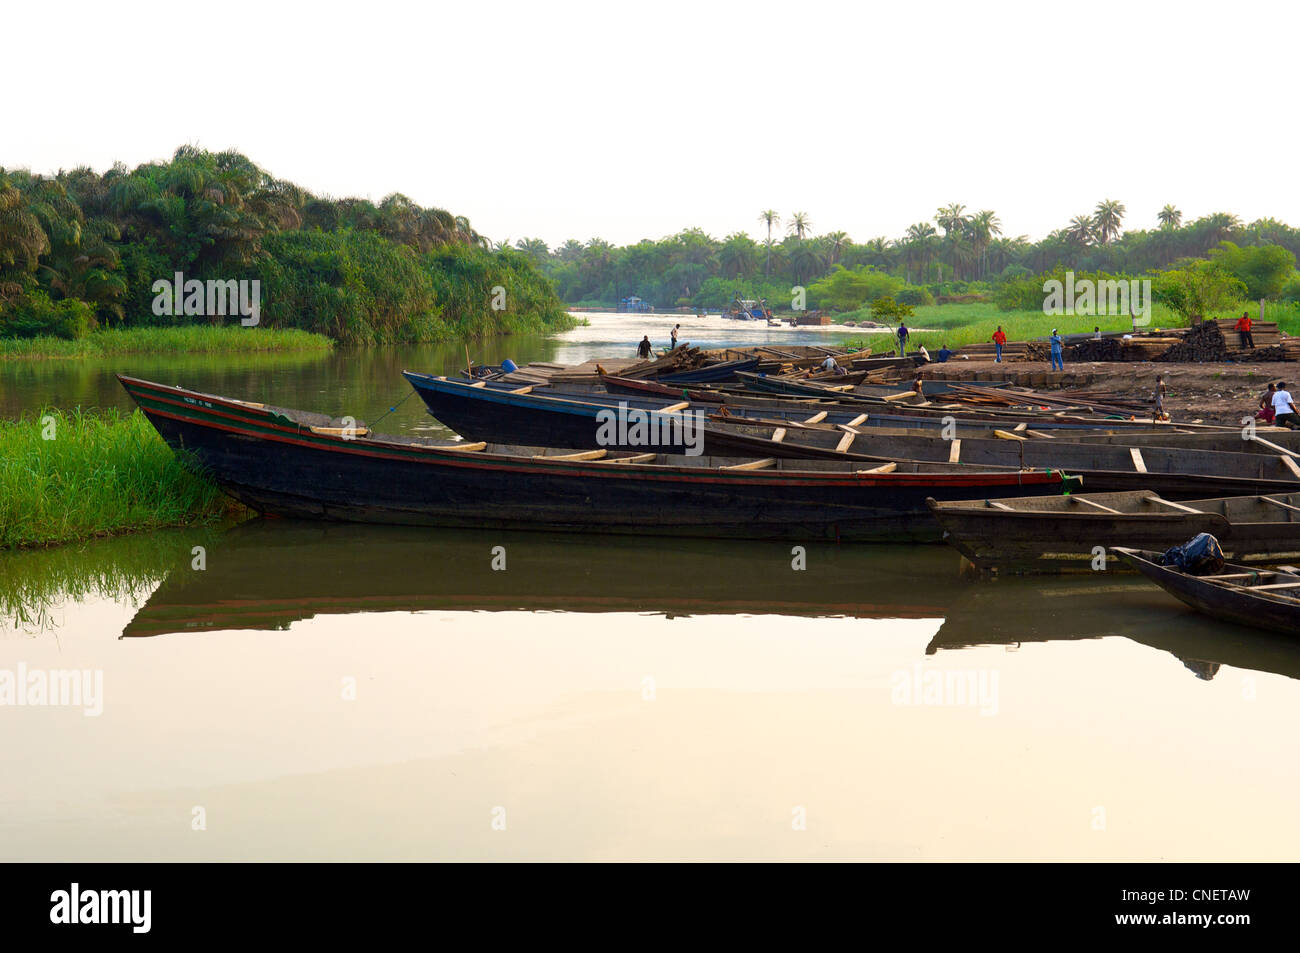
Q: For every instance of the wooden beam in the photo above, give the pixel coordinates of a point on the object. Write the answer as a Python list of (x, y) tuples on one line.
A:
[(479, 384), (860, 418), (1138, 463), (1094, 503), (883, 468), (1039, 433), (954, 452), (1177, 506), (674, 408), (816, 418), (751, 465), (1285, 506), (584, 455), (1291, 465), (465, 447), (778, 434), (1007, 435), (1272, 446), (527, 389), (846, 441), (341, 431), (999, 506), (1020, 426), (635, 458)]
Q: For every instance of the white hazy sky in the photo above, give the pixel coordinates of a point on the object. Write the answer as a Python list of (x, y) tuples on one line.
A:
[(572, 120)]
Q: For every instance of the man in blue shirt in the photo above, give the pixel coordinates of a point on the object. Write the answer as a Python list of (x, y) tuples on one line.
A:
[(902, 338), (943, 355), (1058, 360)]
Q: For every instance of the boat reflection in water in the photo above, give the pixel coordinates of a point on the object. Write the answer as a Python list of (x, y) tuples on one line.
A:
[(1014, 611), (269, 574)]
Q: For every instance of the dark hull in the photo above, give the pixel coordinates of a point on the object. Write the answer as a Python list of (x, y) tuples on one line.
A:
[(1045, 541), (713, 373), (271, 464), (496, 415), (1216, 601)]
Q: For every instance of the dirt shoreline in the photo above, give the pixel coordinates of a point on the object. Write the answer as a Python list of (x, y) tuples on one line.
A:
[(1212, 393)]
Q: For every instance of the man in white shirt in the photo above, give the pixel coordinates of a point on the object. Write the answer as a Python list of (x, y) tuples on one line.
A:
[(1284, 408), (830, 364)]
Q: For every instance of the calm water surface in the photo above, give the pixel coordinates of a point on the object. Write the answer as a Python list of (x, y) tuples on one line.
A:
[(346, 692)]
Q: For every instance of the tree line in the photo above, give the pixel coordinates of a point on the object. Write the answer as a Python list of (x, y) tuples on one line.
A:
[(81, 249), (957, 252)]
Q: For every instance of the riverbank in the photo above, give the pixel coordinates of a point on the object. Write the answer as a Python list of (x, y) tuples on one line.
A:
[(189, 339), (72, 476)]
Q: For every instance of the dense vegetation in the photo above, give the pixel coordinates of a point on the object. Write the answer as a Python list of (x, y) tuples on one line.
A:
[(959, 256), (80, 250), (73, 476)]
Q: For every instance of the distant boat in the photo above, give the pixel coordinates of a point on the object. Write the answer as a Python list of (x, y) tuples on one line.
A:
[(1260, 598)]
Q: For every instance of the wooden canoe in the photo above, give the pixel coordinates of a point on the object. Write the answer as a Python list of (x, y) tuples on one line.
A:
[(1260, 598), (288, 463), (1064, 534)]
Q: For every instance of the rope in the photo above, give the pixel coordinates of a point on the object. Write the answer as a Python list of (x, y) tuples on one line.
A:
[(394, 407)]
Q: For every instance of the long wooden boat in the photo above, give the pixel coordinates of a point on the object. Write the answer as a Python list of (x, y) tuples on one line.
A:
[(521, 416), (1264, 599), (293, 463), (709, 373), (539, 416), (1062, 534)]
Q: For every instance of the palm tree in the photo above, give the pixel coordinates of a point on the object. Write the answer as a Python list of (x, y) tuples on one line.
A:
[(22, 240), (738, 256), (836, 242), (952, 220), (800, 225), (769, 218), (1082, 230), (1170, 217), (983, 227), (807, 261), (1109, 214), (919, 245)]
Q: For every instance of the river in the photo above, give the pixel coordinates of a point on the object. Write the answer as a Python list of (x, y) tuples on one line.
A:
[(311, 691)]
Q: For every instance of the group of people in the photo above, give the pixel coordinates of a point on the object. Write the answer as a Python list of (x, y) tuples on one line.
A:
[(1277, 407), (646, 350)]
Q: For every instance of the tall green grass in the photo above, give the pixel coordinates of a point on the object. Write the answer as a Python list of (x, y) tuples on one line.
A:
[(100, 474), (960, 324), (187, 339)]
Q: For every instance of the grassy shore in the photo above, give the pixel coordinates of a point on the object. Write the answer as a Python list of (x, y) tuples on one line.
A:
[(65, 477), (187, 339), (959, 324)]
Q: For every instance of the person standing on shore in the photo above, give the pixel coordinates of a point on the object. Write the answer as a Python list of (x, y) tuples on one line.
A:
[(676, 328), (645, 349), (999, 340), (902, 338), (1058, 359), (1160, 397), (1243, 329), (1284, 412)]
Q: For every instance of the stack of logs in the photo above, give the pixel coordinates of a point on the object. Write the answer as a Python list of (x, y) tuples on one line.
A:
[(1210, 341)]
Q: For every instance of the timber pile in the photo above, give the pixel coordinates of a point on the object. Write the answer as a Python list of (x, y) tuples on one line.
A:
[(1013, 351), (1203, 343), (1139, 347)]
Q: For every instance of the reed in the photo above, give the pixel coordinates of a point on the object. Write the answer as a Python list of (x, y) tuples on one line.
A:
[(188, 339), (71, 476)]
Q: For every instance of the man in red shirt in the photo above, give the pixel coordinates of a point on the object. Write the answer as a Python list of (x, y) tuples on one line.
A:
[(999, 339), (1243, 328)]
